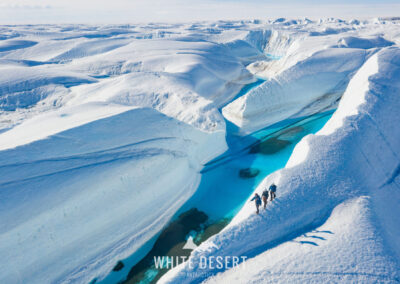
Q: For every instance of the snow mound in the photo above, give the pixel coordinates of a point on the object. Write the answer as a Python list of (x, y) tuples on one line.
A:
[(364, 43), (338, 186), (321, 78), (24, 87), (91, 48), (15, 44), (162, 92)]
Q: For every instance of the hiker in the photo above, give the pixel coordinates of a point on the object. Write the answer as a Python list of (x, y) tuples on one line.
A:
[(257, 201), (264, 197), (272, 191)]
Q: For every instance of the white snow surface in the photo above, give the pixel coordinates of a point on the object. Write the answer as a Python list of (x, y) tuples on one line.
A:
[(104, 131), (336, 216)]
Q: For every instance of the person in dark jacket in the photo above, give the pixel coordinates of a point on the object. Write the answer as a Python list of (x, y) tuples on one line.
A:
[(264, 197), (257, 200), (272, 191)]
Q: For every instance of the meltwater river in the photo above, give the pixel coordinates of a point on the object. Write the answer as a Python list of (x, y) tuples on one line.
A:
[(226, 184)]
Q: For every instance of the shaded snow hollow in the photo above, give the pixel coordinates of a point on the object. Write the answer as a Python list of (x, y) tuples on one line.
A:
[(104, 131)]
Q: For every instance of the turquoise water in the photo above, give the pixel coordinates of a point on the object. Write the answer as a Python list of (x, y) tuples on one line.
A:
[(223, 189)]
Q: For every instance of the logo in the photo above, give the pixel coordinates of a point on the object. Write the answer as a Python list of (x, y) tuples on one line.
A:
[(190, 244), (204, 263)]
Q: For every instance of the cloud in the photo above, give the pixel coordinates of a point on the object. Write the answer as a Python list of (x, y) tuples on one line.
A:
[(132, 11)]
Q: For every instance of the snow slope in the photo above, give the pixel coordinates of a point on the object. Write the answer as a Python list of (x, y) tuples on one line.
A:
[(104, 129), (338, 198)]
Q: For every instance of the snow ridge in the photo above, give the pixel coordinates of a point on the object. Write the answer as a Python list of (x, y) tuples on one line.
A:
[(340, 178)]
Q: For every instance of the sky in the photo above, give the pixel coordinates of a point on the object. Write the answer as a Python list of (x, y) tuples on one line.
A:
[(134, 11)]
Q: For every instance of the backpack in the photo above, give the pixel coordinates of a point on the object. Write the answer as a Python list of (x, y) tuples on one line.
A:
[(272, 188)]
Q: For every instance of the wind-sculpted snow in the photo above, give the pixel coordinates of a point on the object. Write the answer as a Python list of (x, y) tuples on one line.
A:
[(15, 44), (24, 87), (338, 198), (91, 48), (85, 197), (322, 76), (364, 43), (104, 131)]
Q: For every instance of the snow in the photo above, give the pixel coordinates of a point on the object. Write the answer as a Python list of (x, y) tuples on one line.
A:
[(314, 255), (329, 221), (321, 76), (104, 131), (364, 43)]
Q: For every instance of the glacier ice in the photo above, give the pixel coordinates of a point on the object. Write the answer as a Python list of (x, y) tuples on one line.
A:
[(104, 131)]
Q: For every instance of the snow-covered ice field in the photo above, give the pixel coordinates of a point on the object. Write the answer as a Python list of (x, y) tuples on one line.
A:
[(104, 131)]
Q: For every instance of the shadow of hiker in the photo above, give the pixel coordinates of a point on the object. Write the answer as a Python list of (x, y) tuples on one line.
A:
[(317, 237), (308, 243)]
